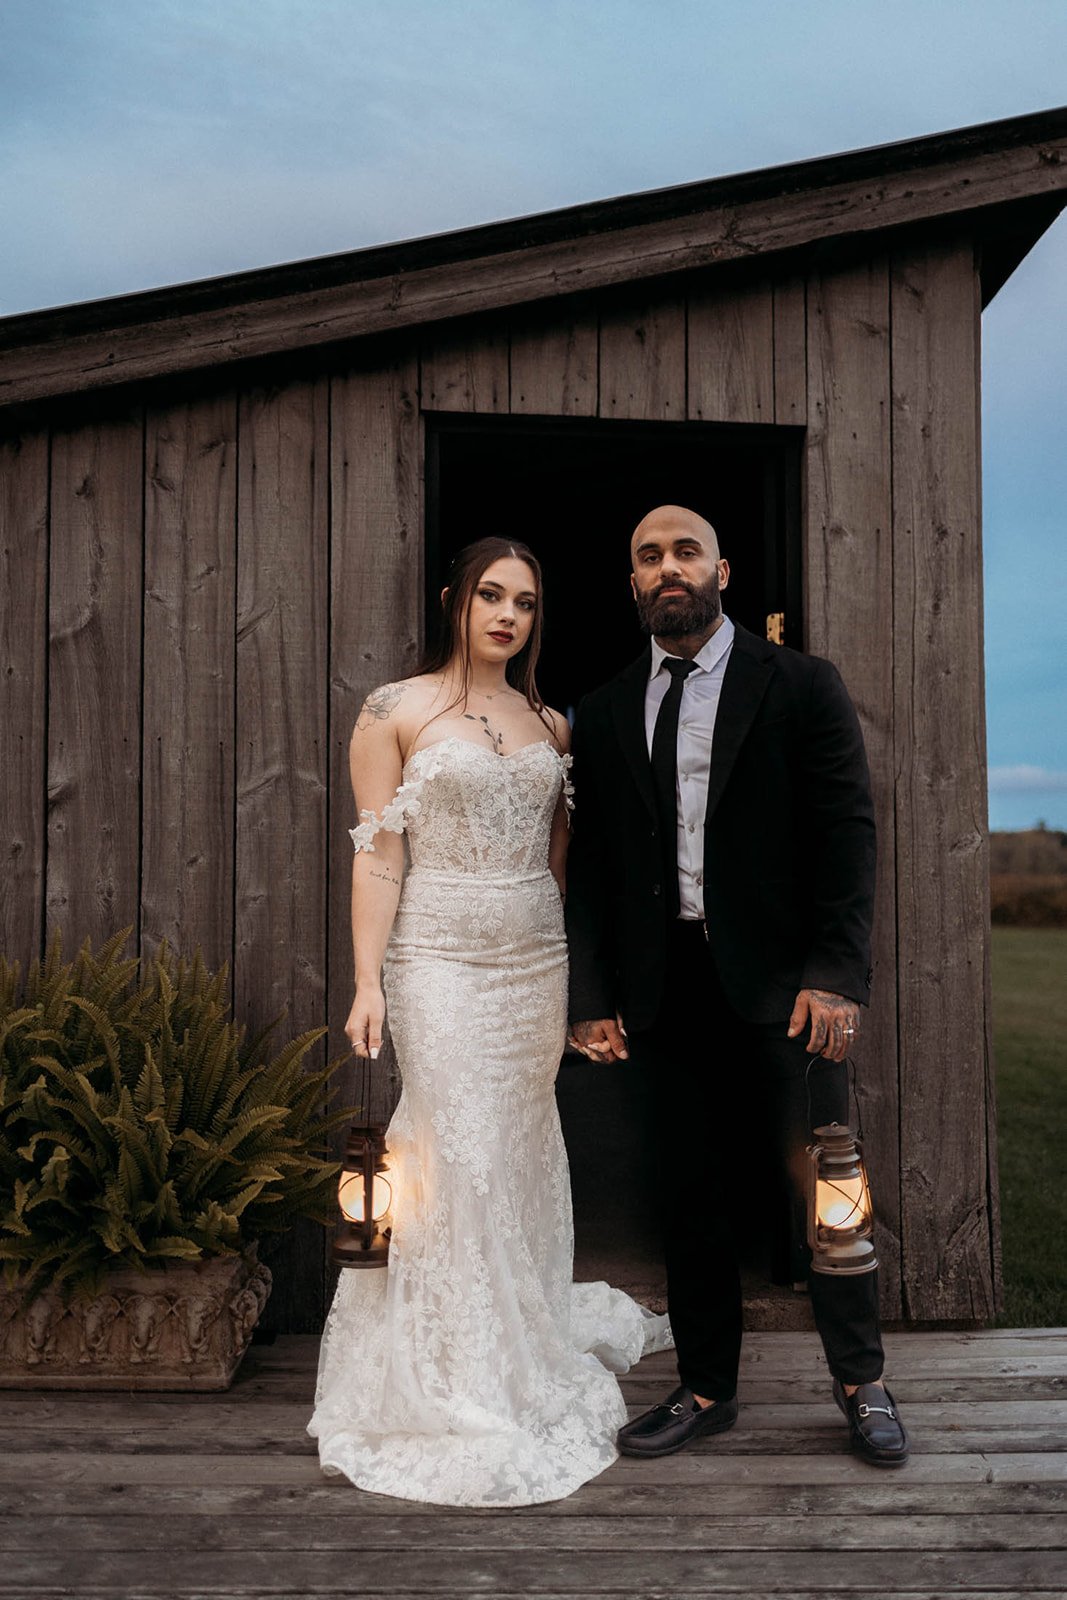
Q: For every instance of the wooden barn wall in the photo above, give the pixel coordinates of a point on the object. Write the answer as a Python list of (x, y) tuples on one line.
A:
[(200, 594)]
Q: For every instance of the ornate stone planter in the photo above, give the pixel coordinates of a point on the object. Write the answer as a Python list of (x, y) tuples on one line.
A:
[(185, 1326)]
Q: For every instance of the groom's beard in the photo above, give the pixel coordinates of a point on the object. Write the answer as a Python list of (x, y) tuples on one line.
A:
[(678, 616)]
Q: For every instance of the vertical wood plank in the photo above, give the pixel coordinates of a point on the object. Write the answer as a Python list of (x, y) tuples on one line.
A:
[(730, 353), (941, 821), (281, 813), (790, 352), (23, 667), (94, 695), (188, 793), (554, 362), (466, 368), (992, 1141), (848, 591), (376, 632), (642, 359)]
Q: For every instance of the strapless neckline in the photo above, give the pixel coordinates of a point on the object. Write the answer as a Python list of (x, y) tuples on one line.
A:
[(493, 755)]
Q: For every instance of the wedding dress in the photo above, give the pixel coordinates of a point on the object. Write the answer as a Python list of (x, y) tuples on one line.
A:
[(472, 1371)]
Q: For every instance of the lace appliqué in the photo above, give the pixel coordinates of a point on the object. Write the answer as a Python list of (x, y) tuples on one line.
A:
[(401, 810), (567, 762)]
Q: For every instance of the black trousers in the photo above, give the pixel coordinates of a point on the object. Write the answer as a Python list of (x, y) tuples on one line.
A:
[(729, 1102)]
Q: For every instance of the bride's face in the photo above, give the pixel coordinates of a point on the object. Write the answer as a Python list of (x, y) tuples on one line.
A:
[(502, 610)]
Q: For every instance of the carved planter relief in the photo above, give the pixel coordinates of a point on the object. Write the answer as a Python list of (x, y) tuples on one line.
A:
[(185, 1326)]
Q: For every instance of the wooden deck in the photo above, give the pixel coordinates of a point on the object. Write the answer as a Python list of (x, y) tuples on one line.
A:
[(108, 1496)]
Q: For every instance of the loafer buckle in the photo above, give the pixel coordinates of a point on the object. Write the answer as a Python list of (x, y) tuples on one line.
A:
[(864, 1410), (676, 1410)]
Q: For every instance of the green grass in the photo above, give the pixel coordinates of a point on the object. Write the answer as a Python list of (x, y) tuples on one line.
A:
[(1030, 1043)]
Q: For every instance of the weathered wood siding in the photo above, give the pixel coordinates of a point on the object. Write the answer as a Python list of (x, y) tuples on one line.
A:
[(848, 584), (187, 852), (200, 594), (24, 675), (946, 1137)]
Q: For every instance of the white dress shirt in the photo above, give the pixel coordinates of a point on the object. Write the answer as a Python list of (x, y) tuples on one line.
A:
[(696, 729)]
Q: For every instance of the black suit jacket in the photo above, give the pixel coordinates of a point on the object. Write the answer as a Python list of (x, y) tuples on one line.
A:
[(789, 846)]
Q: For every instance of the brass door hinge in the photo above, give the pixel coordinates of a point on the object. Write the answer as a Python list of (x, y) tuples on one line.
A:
[(776, 627)]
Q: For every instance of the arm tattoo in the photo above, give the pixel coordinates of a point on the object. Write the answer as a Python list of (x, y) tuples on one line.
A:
[(379, 703), (386, 877)]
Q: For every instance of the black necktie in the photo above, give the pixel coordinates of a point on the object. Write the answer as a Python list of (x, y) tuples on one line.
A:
[(665, 774)]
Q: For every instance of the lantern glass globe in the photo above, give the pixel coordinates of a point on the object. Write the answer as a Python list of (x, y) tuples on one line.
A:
[(841, 1203), (353, 1200)]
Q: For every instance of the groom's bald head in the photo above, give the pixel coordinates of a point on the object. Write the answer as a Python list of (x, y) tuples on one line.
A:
[(674, 522)]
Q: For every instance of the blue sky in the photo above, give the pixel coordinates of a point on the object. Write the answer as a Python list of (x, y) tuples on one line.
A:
[(146, 142)]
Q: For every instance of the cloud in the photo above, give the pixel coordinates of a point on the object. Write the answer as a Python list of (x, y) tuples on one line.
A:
[(1026, 780)]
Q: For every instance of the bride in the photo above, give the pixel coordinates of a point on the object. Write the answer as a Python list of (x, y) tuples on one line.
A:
[(471, 1371)]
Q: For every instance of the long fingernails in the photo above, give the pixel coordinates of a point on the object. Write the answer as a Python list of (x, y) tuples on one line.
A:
[(374, 1053)]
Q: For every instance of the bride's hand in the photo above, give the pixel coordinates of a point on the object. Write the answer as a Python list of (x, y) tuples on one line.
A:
[(364, 1025)]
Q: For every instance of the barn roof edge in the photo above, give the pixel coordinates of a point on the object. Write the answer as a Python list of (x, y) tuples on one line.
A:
[(645, 223)]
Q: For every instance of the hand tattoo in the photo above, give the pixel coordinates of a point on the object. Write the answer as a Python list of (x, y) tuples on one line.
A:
[(379, 703), (835, 1026)]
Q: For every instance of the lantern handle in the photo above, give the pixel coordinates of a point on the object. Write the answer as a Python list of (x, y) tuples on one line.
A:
[(850, 1066)]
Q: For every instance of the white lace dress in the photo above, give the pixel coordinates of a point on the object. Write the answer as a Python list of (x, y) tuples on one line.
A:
[(472, 1371)]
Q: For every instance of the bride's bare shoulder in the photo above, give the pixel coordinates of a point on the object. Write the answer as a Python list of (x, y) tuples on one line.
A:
[(397, 703), (561, 728)]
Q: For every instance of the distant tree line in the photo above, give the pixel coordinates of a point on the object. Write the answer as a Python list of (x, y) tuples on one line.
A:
[(1028, 878)]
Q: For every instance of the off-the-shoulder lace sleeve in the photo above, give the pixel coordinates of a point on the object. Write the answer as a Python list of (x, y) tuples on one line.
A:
[(568, 787), (402, 809)]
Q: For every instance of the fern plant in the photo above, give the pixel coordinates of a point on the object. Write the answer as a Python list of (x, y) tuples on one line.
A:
[(138, 1127)]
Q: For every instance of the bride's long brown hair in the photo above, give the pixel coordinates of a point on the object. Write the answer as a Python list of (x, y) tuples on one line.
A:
[(453, 641)]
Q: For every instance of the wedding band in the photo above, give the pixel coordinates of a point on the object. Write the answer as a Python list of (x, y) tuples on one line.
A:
[(850, 1030)]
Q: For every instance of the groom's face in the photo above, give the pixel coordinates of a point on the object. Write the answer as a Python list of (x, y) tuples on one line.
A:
[(677, 578)]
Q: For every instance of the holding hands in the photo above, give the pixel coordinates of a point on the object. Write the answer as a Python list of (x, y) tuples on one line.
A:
[(602, 1040)]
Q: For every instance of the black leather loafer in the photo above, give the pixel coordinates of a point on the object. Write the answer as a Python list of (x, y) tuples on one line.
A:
[(875, 1430), (671, 1424)]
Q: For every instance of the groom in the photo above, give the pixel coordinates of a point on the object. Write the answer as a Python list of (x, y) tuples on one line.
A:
[(719, 900)]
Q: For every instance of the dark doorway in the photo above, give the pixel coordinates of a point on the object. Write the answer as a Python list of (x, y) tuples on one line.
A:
[(574, 490)]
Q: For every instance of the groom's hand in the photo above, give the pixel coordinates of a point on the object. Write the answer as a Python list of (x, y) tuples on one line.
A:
[(602, 1040), (835, 1022)]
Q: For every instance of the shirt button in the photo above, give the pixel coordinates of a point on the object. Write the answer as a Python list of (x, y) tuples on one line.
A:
[(692, 827)]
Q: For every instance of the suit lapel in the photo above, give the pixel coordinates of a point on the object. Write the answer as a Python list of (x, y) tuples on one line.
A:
[(628, 712), (748, 674)]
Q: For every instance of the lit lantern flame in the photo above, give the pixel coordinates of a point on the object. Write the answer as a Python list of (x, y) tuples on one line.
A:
[(353, 1203), (841, 1203)]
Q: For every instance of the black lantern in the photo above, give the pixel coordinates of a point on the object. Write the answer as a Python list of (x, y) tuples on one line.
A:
[(365, 1195), (840, 1218)]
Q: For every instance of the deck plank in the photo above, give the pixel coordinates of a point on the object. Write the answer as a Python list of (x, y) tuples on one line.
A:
[(668, 1533), (520, 1572), (872, 1494)]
